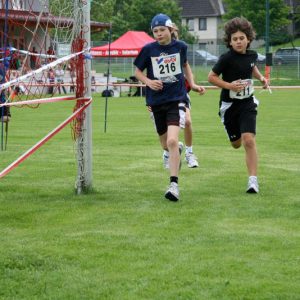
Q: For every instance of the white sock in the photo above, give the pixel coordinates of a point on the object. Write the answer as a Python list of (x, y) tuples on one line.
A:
[(188, 149), (166, 153)]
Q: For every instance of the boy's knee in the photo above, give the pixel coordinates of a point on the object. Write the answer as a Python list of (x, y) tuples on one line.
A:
[(248, 140), (188, 123), (171, 143), (236, 144), (249, 143)]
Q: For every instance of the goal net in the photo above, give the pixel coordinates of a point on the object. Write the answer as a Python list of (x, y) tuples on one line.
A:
[(44, 57)]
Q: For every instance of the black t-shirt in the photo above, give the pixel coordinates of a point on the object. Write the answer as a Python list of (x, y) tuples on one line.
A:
[(234, 66)]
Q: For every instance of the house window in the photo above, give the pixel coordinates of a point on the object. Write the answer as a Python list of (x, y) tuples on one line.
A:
[(190, 24), (202, 46), (202, 24)]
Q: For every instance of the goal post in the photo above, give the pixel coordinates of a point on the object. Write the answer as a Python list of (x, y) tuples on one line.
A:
[(84, 140), (44, 49)]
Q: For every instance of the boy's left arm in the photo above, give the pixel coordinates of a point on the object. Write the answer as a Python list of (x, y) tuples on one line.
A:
[(190, 78), (260, 77)]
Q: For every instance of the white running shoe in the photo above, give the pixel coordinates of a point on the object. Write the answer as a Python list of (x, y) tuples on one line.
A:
[(191, 160), (252, 187), (166, 161), (172, 192)]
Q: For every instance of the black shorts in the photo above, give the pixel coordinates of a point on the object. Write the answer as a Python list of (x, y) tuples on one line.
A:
[(171, 113), (239, 117), (5, 111)]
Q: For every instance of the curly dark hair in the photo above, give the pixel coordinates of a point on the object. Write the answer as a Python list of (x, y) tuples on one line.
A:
[(238, 24)]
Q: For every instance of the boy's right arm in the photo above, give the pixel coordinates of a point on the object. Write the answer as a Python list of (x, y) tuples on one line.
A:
[(155, 85), (215, 79)]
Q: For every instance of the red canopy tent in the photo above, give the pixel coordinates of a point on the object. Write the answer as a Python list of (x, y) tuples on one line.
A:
[(128, 45)]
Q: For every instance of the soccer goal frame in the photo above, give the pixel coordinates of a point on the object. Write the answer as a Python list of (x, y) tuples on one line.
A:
[(36, 19)]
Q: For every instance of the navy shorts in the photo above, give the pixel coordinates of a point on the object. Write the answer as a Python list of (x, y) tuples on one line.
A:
[(239, 117)]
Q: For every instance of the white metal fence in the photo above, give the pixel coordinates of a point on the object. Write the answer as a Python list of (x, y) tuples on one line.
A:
[(201, 60)]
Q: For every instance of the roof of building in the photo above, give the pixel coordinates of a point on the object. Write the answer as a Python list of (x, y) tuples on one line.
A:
[(293, 3), (201, 8)]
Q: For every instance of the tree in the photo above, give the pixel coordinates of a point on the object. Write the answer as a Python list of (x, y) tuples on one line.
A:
[(255, 12), (102, 11), (135, 15), (295, 19)]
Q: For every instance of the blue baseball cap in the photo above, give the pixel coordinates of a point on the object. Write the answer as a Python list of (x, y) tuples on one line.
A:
[(161, 20)]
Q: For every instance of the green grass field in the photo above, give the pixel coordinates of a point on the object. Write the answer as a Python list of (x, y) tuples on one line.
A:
[(124, 240)]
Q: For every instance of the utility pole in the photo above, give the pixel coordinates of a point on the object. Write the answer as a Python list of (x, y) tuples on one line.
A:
[(268, 54), (267, 25)]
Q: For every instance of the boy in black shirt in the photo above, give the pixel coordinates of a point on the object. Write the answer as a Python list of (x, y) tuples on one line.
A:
[(238, 106)]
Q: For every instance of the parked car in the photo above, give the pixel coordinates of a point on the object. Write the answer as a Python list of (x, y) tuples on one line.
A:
[(287, 55), (261, 59), (202, 57), (277, 59), (207, 57)]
